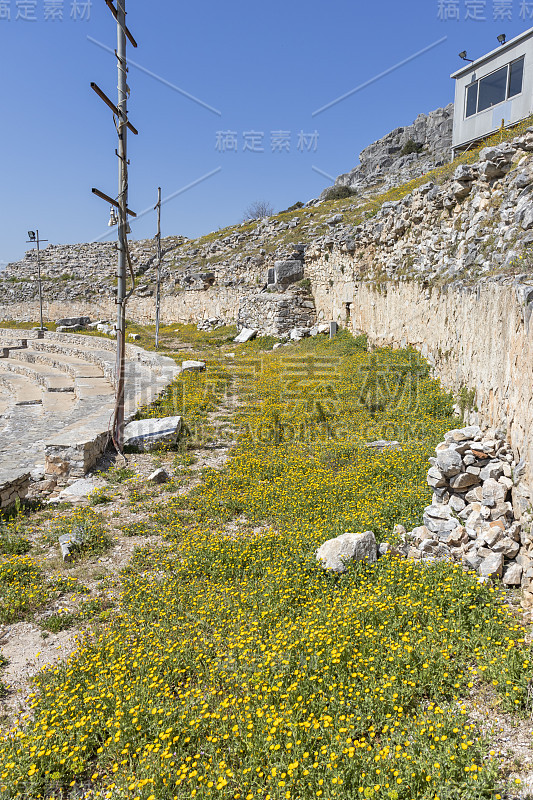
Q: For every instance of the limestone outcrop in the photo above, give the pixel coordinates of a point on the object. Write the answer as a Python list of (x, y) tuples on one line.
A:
[(387, 162)]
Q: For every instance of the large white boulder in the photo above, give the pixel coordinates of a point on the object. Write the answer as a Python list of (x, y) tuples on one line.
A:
[(336, 553), (148, 434)]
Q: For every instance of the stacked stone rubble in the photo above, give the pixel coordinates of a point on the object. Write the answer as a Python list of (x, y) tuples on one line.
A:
[(471, 519)]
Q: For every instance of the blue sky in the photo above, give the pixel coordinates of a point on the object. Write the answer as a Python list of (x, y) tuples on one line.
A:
[(265, 66)]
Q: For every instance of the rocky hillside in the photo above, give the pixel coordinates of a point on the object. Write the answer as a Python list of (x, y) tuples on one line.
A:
[(403, 154), (243, 253)]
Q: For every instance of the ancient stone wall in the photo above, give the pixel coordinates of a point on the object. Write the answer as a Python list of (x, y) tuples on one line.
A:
[(187, 306), (276, 314), (446, 271)]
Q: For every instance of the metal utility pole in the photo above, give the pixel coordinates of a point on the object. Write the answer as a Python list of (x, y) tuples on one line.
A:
[(120, 113), (158, 292), (34, 239), (122, 221)]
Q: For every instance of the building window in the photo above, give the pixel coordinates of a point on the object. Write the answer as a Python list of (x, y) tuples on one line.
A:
[(492, 89), (471, 98), (495, 88), (516, 78)]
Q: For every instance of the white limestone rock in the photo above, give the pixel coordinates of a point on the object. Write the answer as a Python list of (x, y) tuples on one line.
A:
[(492, 567), (245, 335), (193, 366), (79, 491), (148, 434), (159, 476), (512, 575), (336, 553), (449, 462)]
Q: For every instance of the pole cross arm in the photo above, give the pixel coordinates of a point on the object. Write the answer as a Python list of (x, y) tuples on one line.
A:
[(111, 202), (109, 103), (113, 10)]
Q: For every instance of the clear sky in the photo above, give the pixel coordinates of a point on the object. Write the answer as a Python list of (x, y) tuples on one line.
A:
[(259, 69)]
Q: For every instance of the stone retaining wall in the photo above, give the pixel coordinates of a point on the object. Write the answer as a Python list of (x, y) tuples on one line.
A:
[(14, 489), (479, 338), (188, 306), (276, 314)]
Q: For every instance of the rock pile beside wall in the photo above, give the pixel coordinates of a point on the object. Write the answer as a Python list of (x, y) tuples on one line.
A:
[(476, 517)]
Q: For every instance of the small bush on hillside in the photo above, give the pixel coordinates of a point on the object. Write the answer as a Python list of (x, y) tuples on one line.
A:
[(339, 193), (411, 147), (294, 207), (258, 210)]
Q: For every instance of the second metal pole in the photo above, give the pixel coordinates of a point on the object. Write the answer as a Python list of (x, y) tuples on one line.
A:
[(40, 281), (158, 291)]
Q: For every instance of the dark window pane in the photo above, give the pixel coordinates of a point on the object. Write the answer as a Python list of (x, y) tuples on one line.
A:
[(492, 89), (471, 99), (517, 74)]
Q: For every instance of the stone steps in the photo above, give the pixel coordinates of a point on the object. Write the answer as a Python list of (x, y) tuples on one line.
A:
[(58, 395), (51, 379), (22, 389)]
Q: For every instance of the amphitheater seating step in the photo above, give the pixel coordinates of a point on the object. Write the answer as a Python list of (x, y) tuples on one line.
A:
[(57, 397), (22, 389), (51, 379)]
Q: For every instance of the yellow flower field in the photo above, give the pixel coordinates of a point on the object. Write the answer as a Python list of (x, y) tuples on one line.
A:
[(237, 668)]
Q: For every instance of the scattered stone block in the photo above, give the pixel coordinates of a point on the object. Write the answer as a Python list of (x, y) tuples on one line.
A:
[(79, 491), (73, 321), (336, 553), (245, 335), (159, 476), (148, 434), (193, 366)]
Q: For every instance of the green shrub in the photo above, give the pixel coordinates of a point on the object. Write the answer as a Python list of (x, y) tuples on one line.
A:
[(411, 147), (294, 207), (12, 544), (339, 193)]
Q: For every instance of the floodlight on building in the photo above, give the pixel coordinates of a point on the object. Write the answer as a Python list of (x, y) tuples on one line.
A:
[(463, 56), (31, 236), (502, 38)]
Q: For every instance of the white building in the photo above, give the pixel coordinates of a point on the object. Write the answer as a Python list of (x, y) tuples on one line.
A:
[(494, 89)]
